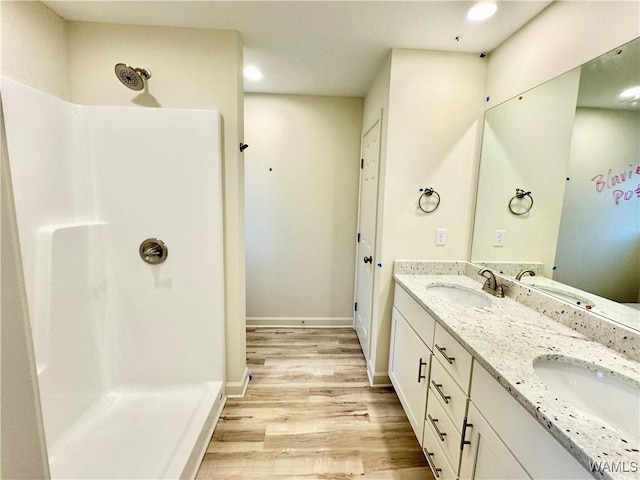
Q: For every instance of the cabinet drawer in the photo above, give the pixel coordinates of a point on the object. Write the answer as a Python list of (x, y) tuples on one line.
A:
[(416, 315), (456, 360), (443, 431), (447, 393), (438, 462)]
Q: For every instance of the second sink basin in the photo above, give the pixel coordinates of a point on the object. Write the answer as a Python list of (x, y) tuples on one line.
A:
[(460, 295), (594, 391)]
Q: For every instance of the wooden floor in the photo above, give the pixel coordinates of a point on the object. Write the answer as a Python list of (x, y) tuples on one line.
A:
[(309, 413)]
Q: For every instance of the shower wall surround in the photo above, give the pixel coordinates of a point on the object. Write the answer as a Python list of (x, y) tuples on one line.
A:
[(130, 356)]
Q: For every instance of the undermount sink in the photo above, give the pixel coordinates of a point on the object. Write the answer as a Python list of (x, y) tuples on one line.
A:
[(460, 295), (595, 391)]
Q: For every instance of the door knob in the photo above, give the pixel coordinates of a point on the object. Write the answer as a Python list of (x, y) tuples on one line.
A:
[(368, 259)]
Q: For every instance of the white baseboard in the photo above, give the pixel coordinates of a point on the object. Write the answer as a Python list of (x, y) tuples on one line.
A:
[(377, 379), (237, 389), (380, 379), (314, 322)]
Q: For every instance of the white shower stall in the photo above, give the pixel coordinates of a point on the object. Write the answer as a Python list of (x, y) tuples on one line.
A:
[(129, 355)]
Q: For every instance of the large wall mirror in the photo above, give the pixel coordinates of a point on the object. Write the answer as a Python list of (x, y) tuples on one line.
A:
[(559, 186)]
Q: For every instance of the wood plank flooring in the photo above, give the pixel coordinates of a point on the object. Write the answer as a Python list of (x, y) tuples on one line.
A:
[(309, 413)]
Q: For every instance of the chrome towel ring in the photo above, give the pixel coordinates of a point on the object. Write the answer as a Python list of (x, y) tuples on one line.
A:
[(428, 194), (517, 205)]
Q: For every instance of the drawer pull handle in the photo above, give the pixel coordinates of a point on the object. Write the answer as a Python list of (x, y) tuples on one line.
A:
[(433, 422), (420, 365), (464, 442), (443, 351), (432, 465), (437, 386)]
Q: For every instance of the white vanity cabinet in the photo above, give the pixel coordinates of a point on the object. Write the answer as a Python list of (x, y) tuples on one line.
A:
[(410, 356), (470, 426)]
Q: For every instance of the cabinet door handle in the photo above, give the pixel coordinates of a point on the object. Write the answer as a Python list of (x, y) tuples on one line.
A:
[(432, 465), (443, 351), (437, 386), (464, 442), (433, 422), (420, 365)]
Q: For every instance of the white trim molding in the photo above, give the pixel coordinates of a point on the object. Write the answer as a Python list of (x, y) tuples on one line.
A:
[(377, 379), (314, 322), (237, 389)]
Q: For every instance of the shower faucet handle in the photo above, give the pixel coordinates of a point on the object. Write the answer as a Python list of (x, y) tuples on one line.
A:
[(153, 251)]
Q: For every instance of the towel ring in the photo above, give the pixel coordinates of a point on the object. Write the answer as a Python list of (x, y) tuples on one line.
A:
[(429, 192), (520, 194)]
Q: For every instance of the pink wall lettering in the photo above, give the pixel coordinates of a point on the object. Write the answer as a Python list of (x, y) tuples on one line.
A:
[(625, 195), (606, 181)]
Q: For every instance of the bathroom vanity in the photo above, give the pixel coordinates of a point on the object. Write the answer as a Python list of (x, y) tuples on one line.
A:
[(483, 381)]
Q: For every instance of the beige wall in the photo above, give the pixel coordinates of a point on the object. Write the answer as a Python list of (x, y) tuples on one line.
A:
[(563, 36), (436, 101), (302, 170), (190, 68), (34, 47)]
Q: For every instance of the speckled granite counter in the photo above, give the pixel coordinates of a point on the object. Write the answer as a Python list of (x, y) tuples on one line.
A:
[(598, 305), (506, 337)]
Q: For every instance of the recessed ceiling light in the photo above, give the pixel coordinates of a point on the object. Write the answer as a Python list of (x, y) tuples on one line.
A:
[(252, 73), (631, 93), (481, 11)]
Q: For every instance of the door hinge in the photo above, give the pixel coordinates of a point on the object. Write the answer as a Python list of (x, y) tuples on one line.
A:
[(358, 238), (362, 163), (355, 307)]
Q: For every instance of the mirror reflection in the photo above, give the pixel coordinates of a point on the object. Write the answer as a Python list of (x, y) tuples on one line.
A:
[(570, 149)]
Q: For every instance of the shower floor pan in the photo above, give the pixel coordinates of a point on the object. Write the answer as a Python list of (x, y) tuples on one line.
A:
[(140, 433)]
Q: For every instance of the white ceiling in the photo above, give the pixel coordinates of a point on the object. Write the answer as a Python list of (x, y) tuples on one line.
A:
[(320, 47)]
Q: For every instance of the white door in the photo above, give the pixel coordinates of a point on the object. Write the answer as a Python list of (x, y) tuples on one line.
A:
[(366, 235)]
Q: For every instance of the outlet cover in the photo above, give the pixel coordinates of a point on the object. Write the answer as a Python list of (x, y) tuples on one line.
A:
[(441, 236)]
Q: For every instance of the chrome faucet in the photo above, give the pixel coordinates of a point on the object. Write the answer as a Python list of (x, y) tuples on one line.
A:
[(525, 272), (492, 285)]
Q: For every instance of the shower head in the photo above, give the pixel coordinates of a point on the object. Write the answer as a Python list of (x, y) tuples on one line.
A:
[(131, 77)]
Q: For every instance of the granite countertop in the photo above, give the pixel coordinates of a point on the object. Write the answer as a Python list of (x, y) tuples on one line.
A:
[(506, 337), (603, 306)]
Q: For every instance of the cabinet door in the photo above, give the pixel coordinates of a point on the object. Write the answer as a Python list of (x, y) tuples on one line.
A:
[(487, 457), (409, 364)]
